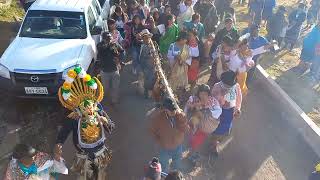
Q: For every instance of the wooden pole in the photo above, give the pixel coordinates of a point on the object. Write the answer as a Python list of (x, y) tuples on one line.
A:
[(162, 77)]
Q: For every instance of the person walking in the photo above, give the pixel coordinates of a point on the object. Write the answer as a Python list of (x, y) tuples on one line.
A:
[(314, 48), (255, 41), (221, 60), (228, 93), (203, 112), (229, 30), (116, 35), (222, 6), (152, 27), (313, 14), (256, 10), (109, 60), (147, 61), (165, 14), (296, 20), (195, 25), (175, 175), (241, 61), (133, 40), (186, 11), (277, 24), (211, 19), (121, 19), (153, 170), (168, 128), (28, 163), (179, 56), (170, 36), (267, 12)]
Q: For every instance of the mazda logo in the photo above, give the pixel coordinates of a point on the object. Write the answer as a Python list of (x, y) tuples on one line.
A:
[(34, 79)]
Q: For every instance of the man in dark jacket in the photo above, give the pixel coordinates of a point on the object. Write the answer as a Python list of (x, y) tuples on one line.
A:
[(108, 58), (222, 6), (229, 30), (277, 24), (208, 13)]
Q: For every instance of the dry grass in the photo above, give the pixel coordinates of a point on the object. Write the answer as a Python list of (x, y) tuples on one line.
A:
[(11, 13), (282, 68)]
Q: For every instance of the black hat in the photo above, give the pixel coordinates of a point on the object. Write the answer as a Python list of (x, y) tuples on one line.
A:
[(106, 35), (302, 5), (23, 151), (254, 27), (176, 175), (111, 21), (229, 78), (203, 88), (282, 8), (228, 19), (228, 40), (153, 170), (169, 104)]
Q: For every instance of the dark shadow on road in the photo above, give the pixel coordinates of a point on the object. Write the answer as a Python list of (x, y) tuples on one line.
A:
[(8, 31)]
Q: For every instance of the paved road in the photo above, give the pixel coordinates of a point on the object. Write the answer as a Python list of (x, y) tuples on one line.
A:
[(263, 144)]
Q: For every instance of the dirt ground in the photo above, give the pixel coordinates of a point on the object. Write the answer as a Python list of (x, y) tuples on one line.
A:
[(282, 67)]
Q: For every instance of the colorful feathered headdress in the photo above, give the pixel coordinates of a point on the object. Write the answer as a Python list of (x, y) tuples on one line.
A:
[(78, 87)]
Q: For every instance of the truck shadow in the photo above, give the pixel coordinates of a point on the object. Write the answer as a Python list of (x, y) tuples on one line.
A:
[(8, 31)]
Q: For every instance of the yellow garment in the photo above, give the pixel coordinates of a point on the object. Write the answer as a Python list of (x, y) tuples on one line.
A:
[(179, 71), (318, 167), (91, 133), (242, 78)]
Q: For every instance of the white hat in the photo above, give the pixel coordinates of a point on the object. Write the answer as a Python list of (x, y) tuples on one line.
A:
[(146, 32)]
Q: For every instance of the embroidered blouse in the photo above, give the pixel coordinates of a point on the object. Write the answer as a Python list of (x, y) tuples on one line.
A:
[(238, 64), (227, 97), (212, 105)]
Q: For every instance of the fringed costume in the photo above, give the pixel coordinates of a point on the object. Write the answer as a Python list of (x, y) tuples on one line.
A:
[(88, 122)]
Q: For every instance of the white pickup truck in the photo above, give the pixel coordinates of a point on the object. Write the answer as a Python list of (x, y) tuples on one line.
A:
[(55, 35)]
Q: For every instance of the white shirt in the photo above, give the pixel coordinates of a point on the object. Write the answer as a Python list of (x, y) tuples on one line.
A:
[(238, 65), (183, 8), (216, 54), (173, 52)]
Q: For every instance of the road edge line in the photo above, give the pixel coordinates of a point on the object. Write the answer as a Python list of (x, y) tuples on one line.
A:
[(304, 124)]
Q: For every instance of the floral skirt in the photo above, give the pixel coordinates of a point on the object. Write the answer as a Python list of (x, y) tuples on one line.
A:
[(193, 70), (179, 76)]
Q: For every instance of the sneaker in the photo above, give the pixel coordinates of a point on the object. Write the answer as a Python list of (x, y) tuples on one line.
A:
[(146, 95), (134, 71), (195, 157)]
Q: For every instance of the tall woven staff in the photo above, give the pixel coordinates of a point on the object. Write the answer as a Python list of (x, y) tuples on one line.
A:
[(162, 87)]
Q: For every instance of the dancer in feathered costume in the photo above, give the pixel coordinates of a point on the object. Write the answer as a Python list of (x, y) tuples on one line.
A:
[(88, 122)]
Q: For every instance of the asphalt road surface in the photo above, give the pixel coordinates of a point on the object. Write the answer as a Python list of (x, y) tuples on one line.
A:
[(263, 145)]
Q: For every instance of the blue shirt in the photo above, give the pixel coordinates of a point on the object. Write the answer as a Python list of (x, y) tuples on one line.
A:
[(257, 42)]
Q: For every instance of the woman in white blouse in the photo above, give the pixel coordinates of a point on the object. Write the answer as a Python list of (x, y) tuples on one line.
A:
[(241, 61)]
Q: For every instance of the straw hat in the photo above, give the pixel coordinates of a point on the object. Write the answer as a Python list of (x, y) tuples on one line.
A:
[(146, 32)]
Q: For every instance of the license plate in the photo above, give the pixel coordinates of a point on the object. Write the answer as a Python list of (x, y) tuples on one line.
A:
[(36, 90)]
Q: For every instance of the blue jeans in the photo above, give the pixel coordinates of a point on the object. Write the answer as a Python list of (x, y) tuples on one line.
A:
[(175, 155), (135, 52)]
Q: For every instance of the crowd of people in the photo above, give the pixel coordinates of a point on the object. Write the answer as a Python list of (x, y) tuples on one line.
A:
[(186, 36)]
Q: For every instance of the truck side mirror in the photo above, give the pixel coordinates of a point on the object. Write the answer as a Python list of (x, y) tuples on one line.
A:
[(96, 30)]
